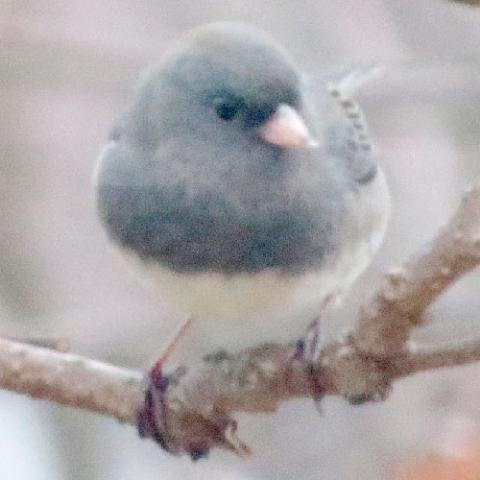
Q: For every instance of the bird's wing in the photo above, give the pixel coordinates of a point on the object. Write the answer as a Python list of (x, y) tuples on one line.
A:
[(347, 136)]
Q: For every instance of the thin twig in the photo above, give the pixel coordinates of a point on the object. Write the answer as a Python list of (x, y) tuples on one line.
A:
[(452, 354)]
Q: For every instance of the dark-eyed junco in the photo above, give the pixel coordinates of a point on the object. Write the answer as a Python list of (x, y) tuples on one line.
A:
[(245, 190)]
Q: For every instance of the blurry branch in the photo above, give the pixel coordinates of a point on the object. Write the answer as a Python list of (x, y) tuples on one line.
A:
[(199, 401), (468, 2), (60, 344)]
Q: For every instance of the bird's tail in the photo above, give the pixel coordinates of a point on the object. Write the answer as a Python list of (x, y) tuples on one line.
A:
[(348, 82)]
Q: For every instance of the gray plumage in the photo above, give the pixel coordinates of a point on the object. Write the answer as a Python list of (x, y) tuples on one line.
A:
[(185, 188), (181, 187)]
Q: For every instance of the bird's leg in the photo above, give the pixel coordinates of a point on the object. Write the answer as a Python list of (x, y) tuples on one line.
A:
[(308, 349), (152, 418)]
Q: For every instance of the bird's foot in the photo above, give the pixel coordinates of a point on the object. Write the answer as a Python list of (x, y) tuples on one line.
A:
[(304, 352), (310, 347), (152, 418), (308, 350)]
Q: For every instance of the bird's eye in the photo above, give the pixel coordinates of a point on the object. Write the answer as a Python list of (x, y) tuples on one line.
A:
[(227, 108), (258, 115)]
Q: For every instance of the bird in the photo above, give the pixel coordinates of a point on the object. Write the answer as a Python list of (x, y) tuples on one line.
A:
[(243, 190)]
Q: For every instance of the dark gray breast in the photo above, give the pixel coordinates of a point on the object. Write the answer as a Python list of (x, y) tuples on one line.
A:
[(226, 228)]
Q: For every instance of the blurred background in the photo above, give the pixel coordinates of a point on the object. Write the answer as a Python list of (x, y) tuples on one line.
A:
[(67, 70)]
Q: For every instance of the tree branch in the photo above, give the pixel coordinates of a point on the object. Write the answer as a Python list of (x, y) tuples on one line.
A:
[(199, 402), (70, 380), (387, 320), (453, 354)]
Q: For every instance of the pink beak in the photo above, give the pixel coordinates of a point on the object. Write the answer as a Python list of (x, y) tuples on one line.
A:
[(286, 129)]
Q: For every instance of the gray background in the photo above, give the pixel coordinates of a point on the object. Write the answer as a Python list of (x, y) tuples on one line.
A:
[(67, 70)]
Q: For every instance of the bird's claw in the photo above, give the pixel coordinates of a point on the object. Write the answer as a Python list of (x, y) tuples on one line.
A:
[(152, 417), (307, 351), (156, 420)]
